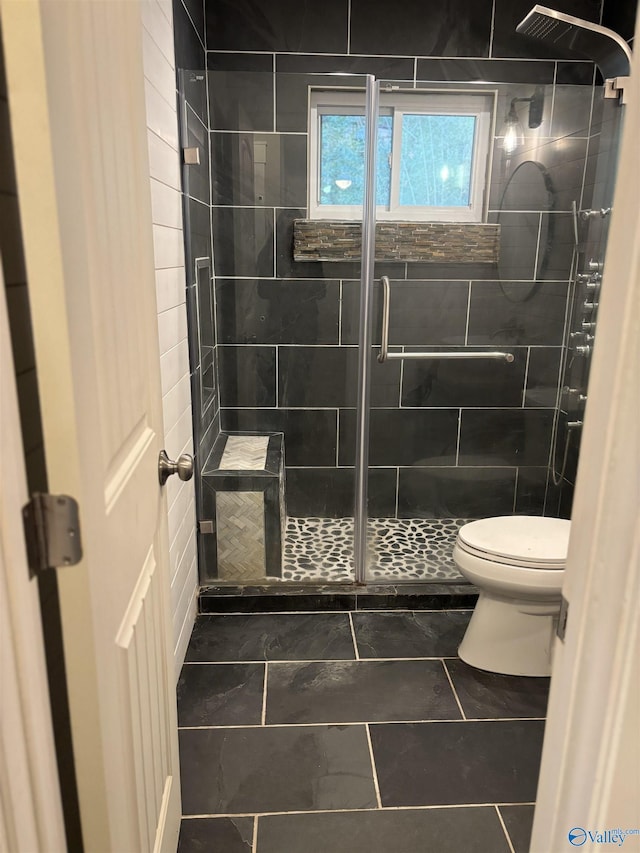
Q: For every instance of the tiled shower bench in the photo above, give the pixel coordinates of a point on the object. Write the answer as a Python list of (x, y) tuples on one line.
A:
[(244, 503)]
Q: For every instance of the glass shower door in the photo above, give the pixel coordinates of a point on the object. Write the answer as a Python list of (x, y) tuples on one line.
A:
[(287, 156)]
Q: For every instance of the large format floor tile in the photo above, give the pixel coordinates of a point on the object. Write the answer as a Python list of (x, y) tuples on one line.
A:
[(225, 694), (303, 768), (474, 830), (359, 691), (216, 835), (272, 636), (491, 696), (519, 822), (421, 764), (410, 634)]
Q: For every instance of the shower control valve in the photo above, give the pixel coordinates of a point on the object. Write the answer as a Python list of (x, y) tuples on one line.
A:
[(595, 266), (583, 350), (588, 327), (574, 392), (592, 285), (589, 306)]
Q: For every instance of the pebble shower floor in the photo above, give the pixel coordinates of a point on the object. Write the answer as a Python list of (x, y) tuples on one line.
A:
[(403, 549)]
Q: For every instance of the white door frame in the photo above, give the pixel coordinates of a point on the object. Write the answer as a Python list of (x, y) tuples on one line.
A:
[(590, 776), (30, 808)]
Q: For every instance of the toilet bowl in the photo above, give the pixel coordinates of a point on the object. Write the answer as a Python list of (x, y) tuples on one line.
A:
[(517, 562)]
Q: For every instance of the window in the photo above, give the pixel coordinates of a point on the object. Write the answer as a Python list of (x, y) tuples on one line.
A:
[(433, 151)]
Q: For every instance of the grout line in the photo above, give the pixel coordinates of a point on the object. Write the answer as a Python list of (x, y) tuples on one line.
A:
[(340, 298), (526, 378), (515, 491), (415, 76), (254, 843), (351, 811), (349, 27), (444, 666), (458, 438), (337, 438), (329, 723), (466, 328), (535, 265), (493, 23), (275, 247), (353, 636), (275, 110), (263, 719), (373, 768), (397, 489), (502, 824)]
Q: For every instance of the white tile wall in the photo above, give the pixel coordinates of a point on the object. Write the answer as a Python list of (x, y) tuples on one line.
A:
[(164, 175)]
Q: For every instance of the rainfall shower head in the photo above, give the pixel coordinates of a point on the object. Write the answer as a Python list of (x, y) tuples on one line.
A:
[(606, 48)]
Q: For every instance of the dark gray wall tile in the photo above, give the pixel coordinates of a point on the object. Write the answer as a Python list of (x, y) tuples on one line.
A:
[(288, 25), (243, 241), (386, 67), (454, 28), (248, 375), (195, 9), (259, 169), (328, 377), (241, 100), (503, 313), (542, 376), (455, 492), (287, 312), (466, 70), (531, 491), (189, 50), (464, 383), (505, 436), (330, 492), (403, 437)]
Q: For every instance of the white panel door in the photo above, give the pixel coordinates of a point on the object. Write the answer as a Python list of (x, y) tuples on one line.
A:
[(76, 97)]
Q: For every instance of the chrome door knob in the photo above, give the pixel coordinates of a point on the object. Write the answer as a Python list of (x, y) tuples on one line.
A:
[(183, 467)]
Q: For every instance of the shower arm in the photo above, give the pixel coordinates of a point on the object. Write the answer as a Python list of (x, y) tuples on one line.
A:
[(385, 355)]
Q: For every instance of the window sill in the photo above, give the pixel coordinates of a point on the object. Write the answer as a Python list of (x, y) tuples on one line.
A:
[(435, 242)]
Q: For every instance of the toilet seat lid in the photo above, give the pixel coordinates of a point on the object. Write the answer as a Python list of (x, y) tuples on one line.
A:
[(518, 539)]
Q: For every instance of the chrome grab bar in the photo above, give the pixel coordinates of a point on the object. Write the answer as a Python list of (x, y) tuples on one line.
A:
[(385, 355)]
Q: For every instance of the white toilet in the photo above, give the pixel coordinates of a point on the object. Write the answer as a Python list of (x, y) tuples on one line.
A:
[(517, 563)]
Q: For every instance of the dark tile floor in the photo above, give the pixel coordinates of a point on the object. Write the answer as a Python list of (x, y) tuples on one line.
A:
[(353, 732)]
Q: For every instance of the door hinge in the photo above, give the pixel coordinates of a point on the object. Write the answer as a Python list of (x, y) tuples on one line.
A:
[(52, 532), (561, 630)]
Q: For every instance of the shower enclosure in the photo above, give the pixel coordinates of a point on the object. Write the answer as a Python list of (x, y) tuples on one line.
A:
[(383, 388)]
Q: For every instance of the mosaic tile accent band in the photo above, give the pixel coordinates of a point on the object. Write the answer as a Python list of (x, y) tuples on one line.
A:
[(241, 538), (404, 548), (457, 242)]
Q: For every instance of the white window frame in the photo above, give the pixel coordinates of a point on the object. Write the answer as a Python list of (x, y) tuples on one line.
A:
[(399, 103)]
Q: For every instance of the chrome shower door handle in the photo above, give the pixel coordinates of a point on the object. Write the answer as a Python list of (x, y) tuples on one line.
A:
[(183, 467)]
